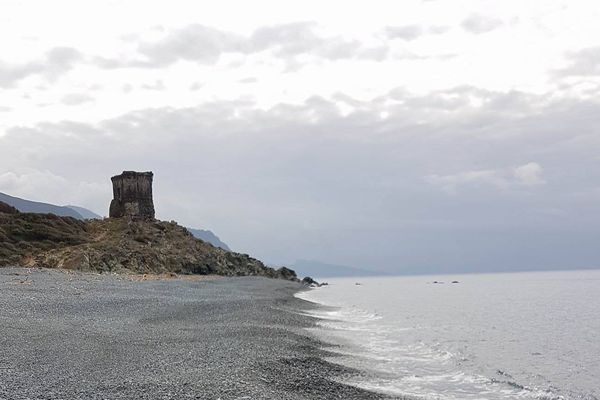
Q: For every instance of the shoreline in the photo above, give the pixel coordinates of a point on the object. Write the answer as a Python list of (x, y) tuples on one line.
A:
[(70, 334)]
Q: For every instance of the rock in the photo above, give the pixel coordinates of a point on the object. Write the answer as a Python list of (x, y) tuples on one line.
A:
[(7, 209), (308, 281), (286, 273), (131, 240), (119, 245)]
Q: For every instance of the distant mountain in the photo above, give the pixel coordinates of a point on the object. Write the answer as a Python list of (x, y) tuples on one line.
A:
[(85, 213), (209, 237), (38, 207), (317, 269)]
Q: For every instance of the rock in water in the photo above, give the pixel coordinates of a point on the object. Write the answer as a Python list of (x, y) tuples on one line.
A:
[(308, 281)]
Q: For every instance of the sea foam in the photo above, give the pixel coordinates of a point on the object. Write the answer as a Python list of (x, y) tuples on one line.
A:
[(495, 336)]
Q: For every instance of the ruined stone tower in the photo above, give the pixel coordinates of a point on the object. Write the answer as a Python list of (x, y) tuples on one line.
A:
[(132, 195)]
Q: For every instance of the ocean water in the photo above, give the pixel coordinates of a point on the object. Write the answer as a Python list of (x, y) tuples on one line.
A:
[(493, 336)]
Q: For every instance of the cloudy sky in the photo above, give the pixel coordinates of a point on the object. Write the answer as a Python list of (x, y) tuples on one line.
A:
[(414, 135)]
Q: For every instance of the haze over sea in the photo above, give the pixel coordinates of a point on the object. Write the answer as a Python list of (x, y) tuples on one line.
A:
[(530, 335)]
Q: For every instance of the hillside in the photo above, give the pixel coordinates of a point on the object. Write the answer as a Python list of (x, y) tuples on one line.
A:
[(117, 245), (77, 212), (39, 207)]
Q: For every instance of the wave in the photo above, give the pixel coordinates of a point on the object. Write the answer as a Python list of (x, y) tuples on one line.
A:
[(398, 364)]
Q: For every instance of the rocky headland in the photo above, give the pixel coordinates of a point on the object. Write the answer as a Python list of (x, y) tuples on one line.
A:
[(131, 240), (117, 245)]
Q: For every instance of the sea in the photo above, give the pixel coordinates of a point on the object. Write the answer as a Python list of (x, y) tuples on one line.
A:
[(529, 335)]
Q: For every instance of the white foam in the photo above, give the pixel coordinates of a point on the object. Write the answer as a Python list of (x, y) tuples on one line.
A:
[(437, 344)]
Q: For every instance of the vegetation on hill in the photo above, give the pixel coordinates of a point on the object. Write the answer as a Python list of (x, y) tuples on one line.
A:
[(118, 245)]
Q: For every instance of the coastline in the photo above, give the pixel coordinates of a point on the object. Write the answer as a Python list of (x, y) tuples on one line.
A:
[(74, 335)]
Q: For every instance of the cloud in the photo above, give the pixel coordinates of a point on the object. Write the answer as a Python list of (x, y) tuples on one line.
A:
[(74, 99), (450, 183), (205, 45), (481, 24), (43, 185), (292, 38), (55, 63), (249, 79), (288, 41), (157, 85), (10, 74), (59, 60), (582, 63), (194, 42), (301, 38), (438, 29), (406, 32), (528, 174), (309, 179), (30, 181)]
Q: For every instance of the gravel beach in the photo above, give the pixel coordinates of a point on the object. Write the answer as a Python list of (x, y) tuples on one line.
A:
[(70, 335)]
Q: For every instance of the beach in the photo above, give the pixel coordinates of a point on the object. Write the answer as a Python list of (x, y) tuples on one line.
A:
[(75, 335)]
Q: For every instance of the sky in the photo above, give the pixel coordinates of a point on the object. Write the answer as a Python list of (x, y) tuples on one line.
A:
[(400, 136)]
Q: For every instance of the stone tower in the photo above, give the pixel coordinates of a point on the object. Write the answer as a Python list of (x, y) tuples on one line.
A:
[(132, 195)]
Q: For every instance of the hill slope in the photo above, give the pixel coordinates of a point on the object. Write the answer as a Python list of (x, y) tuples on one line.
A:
[(38, 207), (83, 213), (117, 245)]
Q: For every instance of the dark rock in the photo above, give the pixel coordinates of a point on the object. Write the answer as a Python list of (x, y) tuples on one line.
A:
[(308, 281), (286, 273), (6, 209)]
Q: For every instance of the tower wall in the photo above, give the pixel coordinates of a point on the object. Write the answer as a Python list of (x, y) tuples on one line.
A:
[(132, 195)]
